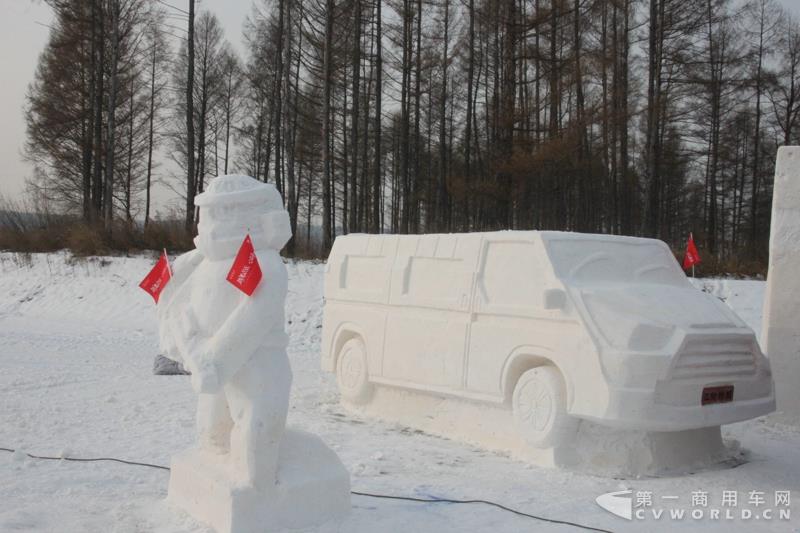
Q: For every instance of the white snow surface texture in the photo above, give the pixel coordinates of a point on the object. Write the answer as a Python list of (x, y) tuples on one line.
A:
[(77, 341)]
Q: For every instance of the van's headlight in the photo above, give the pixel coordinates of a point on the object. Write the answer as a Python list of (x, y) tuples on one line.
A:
[(649, 337)]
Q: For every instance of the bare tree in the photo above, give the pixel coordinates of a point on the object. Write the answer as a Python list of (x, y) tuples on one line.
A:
[(190, 141)]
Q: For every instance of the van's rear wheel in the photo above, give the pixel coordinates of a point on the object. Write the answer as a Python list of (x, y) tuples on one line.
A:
[(539, 405), (351, 372)]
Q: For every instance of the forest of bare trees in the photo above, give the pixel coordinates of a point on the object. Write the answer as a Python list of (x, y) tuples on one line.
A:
[(635, 117)]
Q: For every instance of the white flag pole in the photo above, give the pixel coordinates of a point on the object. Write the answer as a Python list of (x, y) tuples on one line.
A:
[(169, 268)]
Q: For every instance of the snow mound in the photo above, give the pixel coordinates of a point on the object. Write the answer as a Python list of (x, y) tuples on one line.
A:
[(76, 333)]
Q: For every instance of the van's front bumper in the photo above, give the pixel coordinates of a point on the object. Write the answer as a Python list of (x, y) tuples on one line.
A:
[(674, 407), (664, 391)]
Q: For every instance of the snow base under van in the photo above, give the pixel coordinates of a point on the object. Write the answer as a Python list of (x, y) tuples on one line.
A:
[(597, 450)]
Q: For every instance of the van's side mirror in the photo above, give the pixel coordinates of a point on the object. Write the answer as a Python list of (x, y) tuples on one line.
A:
[(555, 299)]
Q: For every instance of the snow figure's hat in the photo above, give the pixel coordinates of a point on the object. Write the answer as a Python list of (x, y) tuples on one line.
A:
[(242, 190), (248, 206)]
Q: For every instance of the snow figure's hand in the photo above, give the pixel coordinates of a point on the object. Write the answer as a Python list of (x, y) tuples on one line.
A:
[(188, 324), (205, 379), (192, 345), (167, 343), (195, 348)]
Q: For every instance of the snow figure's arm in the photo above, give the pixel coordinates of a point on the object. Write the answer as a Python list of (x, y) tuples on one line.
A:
[(173, 294), (250, 325)]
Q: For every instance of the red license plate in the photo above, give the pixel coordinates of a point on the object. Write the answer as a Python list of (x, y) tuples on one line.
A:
[(723, 394)]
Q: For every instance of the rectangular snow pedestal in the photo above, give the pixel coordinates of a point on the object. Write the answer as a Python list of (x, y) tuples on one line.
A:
[(200, 486), (312, 488)]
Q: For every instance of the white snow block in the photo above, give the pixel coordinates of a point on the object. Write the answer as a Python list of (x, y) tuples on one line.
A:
[(781, 330), (312, 488)]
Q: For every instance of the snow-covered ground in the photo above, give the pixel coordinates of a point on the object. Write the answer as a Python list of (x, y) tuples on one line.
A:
[(77, 340)]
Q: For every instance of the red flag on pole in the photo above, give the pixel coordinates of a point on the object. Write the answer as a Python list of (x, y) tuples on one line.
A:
[(245, 274), (155, 281), (692, 257)]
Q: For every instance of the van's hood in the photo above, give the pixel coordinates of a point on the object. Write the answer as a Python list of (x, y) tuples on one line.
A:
[(617, 312)]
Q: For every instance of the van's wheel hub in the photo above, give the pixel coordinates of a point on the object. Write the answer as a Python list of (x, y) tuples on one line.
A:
[(535, 406), (540, 408), (351, 372)]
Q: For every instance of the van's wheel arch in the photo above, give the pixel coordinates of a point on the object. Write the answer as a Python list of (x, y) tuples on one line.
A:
[(539, 406), (352, 373)]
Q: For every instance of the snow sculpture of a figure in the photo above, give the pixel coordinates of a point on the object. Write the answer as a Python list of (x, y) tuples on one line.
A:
[(246, 473)]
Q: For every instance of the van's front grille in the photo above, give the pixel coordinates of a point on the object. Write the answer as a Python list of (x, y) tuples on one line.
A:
[(715, 358)]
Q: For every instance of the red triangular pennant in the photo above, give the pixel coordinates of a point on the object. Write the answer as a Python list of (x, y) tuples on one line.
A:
[(245, 274), (692, 257), (157, 279)]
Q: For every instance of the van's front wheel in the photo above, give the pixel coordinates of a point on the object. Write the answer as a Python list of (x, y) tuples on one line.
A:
[(539, 404), (351, 372)]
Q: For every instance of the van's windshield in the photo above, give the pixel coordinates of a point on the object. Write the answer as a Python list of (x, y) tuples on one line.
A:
[(590, 261)]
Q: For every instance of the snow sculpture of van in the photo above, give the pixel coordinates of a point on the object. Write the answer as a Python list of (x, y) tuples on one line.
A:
[(554, 326)]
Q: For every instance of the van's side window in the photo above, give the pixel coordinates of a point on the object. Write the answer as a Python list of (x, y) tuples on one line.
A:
[(507, 280), (439, 282)]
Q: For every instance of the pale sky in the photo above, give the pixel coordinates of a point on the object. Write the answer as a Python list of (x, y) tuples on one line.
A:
[(23, 35)]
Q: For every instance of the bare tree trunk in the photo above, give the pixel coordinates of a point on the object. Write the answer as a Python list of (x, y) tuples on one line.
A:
[(200, 174), (327, 240), (87, 137), (129, 170), (150, 134), (415, 182), (626, 222), (554, 70), (405, 199), (364, 183), (537, 98), (228, 116), (468, 128), (652, 148), (753, 244), (583, 215), (345, 159), (354, 125), (377, 176), (443, 202), (108, 185), (292, 195), (715, 67), (611, 116), (278, 101), (792, 91), (190, 182), (97, 178), (583, 142)]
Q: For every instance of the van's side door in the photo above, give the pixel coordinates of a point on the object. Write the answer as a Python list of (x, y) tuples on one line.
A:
[(426, 326), (507, 304)]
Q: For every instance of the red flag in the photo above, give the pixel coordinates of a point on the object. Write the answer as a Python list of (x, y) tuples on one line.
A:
[(692, 257), (245, 274), (157, 279)]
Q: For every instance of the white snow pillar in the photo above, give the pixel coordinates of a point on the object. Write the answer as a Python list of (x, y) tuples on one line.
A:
[(780, 336)]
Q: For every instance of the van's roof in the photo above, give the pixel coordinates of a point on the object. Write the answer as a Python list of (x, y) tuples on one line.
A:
[(573, 257), (545, 235)]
